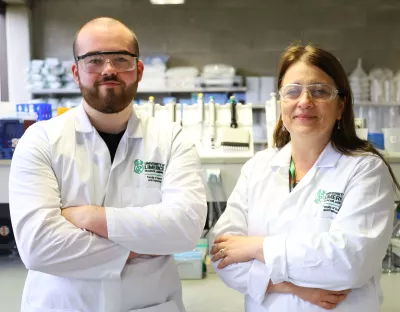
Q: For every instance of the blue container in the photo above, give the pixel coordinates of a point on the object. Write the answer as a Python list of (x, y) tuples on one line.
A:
[(240, 97), (185, 101), (219, 98), (43, 111), (10, 129), (168, 99), (188, 255), (6, 153), (377, 140)]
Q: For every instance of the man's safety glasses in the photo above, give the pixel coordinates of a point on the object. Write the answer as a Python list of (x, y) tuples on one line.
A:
[(95, 62)]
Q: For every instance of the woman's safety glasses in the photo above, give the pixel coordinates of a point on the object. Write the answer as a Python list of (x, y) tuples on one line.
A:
[(318, 92)]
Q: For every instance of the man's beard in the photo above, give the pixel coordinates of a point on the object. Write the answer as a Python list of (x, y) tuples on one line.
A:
[(112, 102)]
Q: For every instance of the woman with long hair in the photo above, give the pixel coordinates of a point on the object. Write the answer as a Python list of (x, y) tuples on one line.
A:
[(309, 221)]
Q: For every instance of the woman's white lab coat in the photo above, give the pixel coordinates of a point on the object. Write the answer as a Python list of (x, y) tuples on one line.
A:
[(155, 204), (330, 232)]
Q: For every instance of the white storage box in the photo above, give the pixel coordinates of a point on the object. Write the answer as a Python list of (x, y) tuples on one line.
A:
[(190, 265), (392, 139)]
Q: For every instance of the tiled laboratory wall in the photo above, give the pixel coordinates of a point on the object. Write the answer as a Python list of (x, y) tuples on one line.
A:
[(248, 34)]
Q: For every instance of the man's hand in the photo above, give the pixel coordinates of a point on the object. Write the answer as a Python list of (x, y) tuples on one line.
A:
[(327, 299), (235, 249), (91, 218)]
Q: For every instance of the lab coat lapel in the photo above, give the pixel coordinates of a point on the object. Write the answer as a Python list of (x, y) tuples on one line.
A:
[(328, 158), (97, 151), (94, 142), (281, 163), (133, 132)]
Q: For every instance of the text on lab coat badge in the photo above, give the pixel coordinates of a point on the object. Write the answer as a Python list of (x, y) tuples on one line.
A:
[(153, 171), (330, 202)]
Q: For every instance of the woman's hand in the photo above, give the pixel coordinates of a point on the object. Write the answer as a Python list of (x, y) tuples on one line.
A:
[(235, 249), (327, 299), (283, 288)]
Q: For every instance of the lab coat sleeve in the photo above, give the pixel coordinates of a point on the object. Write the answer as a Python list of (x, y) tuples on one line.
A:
[(249, 278), (349, 251), (46, 241), (177, 222)]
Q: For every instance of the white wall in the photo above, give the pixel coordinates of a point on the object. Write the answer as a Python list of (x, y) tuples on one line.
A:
[(18, 51)]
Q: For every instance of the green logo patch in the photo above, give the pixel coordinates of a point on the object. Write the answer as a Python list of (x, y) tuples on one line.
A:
[(330, 201), (320, 197), (138, 166), (153, 171)]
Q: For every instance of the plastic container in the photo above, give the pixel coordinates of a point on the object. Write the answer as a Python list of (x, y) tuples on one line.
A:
[(377, 140), (392, 139), (202, 246), (42, 111), (190, 264), (362, 133), (62, 110), (359, 83)]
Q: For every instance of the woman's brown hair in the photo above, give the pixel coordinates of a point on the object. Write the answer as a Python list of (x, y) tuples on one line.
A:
[(344, 138)]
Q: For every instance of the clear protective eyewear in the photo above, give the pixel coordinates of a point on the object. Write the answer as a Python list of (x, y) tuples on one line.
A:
[(95, 62), (319, 92)]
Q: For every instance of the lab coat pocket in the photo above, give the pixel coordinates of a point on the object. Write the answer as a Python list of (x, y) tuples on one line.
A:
[(169, 306), (140, 196), (309, 224)]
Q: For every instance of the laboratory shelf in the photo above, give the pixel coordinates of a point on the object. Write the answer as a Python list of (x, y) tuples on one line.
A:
[(144, 90)]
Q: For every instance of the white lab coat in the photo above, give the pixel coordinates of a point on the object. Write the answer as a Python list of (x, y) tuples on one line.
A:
[(334, 240), (64, 162)]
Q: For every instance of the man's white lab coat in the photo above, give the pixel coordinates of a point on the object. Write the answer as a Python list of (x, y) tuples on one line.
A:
[(155, 204)]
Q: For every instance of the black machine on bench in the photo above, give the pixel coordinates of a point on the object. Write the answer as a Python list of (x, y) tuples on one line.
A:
[(7, 241)]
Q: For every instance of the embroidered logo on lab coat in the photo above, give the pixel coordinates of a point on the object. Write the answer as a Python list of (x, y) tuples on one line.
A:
[(152, 170), (139, 166), (331, 201), (320, 197)]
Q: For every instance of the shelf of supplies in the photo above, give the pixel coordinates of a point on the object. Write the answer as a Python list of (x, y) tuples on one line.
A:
[(376, 104), (261, 106), (56, 91), (144, 90), (186, 90)]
